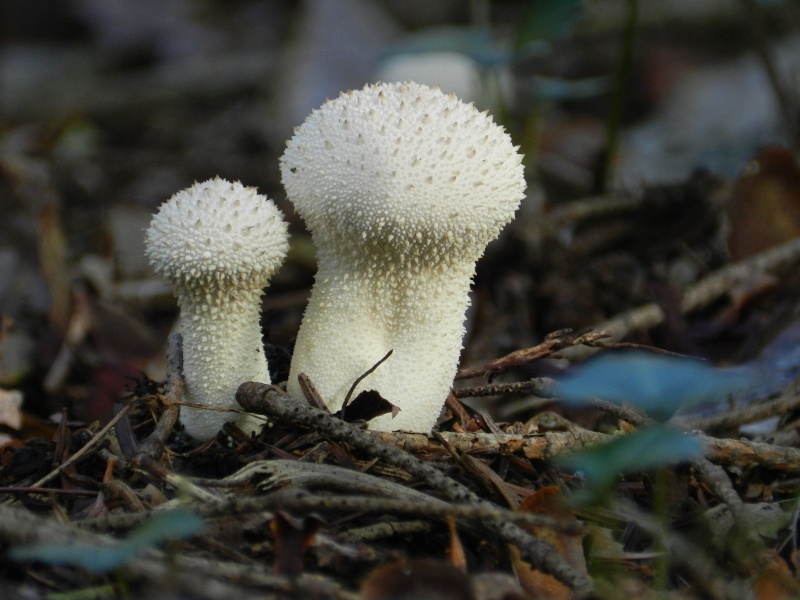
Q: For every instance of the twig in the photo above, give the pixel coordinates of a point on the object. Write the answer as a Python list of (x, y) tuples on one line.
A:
[(549, 445), (47, 491), (554, 342), (311, 393), (96, 439), (697, 295), (267, 475), (539, 386), (782, 405), (271, 401), (303, 501), (624, 413), (200, 572), (719, 482), (155, 443), (544, 446), (175, 385), (386, 529), (180, 483)]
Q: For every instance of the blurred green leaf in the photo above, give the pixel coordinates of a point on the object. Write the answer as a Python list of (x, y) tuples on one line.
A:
[(172, 525), (175, 524), (97, 559), (645, 450), (656, 383)]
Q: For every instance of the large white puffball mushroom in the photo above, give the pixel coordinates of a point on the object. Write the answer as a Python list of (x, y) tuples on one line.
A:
[(402, 188), (218, 243)]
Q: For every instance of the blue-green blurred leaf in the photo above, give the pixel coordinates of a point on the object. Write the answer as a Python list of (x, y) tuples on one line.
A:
[(657, 384), (645, 450), (175, 524), (92, 558), (172, 525), (549, 20)]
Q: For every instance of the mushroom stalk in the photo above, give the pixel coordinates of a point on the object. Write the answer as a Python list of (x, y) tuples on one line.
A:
[(222, 349), (402, 188), (384, 309)]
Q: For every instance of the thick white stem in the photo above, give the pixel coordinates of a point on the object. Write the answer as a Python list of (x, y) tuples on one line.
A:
[(354, 318), (222, 349)]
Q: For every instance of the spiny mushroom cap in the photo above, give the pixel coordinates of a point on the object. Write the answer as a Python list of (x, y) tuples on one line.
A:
[(217, 235), (402, 166)]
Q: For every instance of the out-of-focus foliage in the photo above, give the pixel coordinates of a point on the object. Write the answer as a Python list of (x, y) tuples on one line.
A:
[(645, 450), (658, 384), (172, 525)]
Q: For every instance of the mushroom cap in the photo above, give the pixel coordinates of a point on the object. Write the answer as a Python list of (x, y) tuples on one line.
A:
[(402, 165), (217, 235)]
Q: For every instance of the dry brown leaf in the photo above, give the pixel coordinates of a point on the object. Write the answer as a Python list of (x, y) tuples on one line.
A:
[(776, 582), (292, 536), (549, 501), (458, 558), (764, 210)]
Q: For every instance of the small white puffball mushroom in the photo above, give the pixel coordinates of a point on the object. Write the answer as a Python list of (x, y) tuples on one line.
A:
[(402, 188), (218, 243)]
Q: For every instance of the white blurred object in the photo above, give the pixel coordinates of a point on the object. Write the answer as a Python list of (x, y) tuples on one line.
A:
[(453, 72)]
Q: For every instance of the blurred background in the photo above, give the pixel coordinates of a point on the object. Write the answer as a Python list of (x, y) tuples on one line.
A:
[(659, 136)]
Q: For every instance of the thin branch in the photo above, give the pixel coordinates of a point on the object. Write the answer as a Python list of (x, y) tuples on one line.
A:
[(549, 445), (782, 405), (697, 295), (719, 482), (554, 342), (305, 502), (96, 439), (386, 529), (47, 491), (538, 385)]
